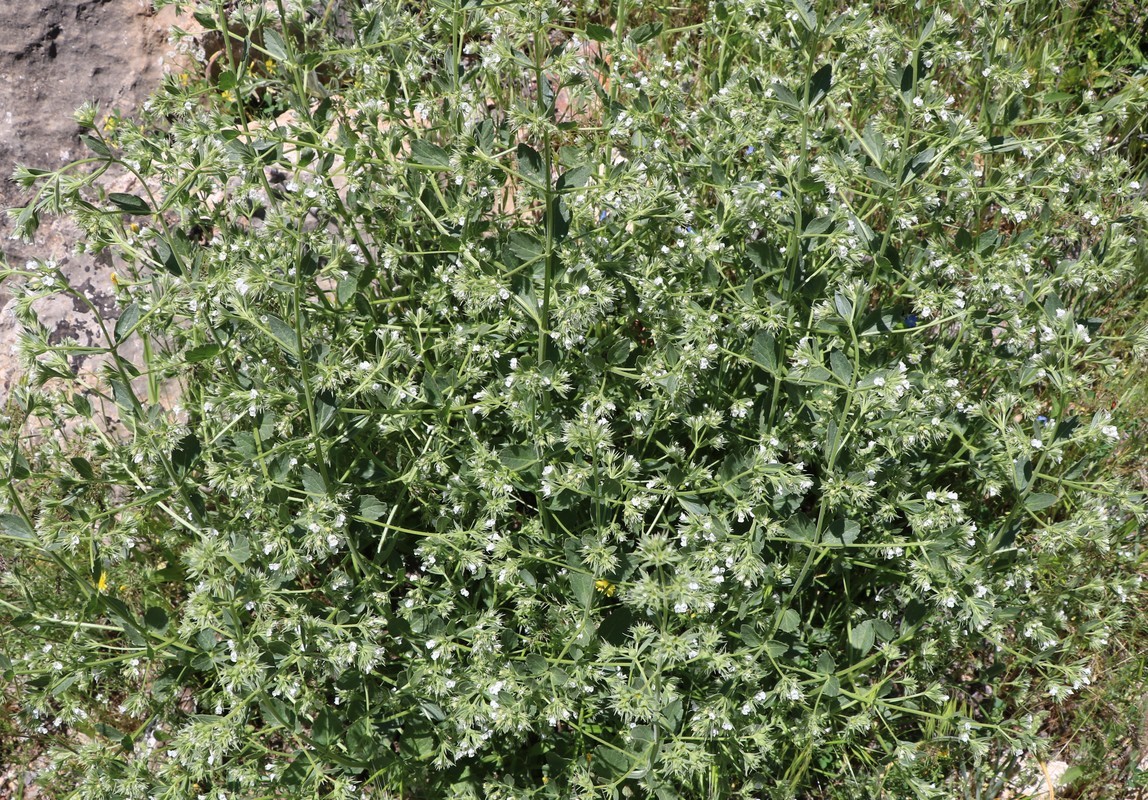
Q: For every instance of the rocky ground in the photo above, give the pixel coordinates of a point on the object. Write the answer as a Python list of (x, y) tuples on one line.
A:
[(54, 56)]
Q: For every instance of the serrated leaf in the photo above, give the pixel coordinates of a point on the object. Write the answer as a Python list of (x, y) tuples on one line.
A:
[(429, 154), (785, 96), (130, 204), (275, 45)]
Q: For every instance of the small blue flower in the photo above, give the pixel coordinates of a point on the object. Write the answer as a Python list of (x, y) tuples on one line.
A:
[(777, 195), (603, 215), (1041, 418), (749, 150), (910, 320)]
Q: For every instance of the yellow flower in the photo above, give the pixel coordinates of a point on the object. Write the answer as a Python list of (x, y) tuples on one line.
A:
[(605, 587), (102, 583)]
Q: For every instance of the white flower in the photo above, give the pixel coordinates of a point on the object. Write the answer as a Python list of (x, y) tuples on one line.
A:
[(1036, 444)]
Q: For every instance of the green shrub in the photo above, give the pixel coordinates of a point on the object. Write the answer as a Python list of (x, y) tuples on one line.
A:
[(543, 403)]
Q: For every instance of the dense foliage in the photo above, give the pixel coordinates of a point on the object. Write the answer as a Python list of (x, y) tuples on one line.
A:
[(539, 401)]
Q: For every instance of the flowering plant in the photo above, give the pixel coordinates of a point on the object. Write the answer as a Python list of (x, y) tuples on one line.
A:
[(533, 403)]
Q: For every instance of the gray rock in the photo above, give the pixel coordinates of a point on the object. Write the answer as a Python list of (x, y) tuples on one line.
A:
[(56, 55)]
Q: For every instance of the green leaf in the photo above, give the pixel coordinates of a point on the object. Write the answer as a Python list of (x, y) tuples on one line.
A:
[(763, 351), (842, 367), (789, 621), (284, 334), (519, 458), (185, 453), (155, 618), (275, 45), (531, 165), (819, 84), (371, 508), (786, 97), (361, 744), (15, 527), (832, 686), (862, 637), (845, 530), (204, 352), (83, 467), (805, 13), (844, 306), (582, 585), (574, 178), (129, 203), (672, 715), (1040, 501), (599, 33), (127, 322), (1022, 472), (611, 763), (124, 396), (96, 146), (326, 729), (240, 548), (313, 482), (646, 32), (429, 154)]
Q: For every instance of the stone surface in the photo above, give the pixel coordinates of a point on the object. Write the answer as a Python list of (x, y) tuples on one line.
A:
[(54, 56)]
